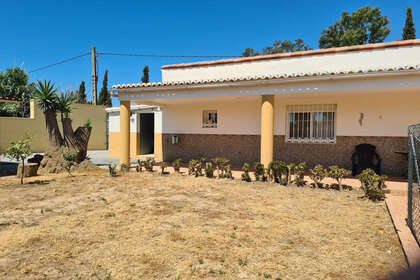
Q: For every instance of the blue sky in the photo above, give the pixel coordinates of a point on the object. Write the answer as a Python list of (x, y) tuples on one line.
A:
[(37, 33)]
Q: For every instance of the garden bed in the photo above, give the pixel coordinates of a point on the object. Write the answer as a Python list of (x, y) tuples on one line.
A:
[(149, 226)]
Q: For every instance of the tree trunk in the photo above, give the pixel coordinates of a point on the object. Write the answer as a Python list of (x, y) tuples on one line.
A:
[(77, 140), (54, 134), (23, 171)]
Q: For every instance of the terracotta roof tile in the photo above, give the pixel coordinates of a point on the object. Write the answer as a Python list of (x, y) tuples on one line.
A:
[(266, 77)]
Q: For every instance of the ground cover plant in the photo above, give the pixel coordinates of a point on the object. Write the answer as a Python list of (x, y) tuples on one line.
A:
[(147, 226)]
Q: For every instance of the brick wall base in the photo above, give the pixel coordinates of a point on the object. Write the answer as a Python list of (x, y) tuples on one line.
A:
[(246, 148)]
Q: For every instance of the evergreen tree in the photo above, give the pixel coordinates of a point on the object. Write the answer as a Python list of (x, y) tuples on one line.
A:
[(81, 94), (145, 77), (104, 95), (409, 31), (279, 46), (364, 26)]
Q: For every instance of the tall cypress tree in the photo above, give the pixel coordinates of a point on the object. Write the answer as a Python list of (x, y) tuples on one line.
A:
[(81, 94), (409, 31), (104, 96), (145, 77)]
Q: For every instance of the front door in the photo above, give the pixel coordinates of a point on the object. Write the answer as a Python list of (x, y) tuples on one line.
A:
[(147, 133)]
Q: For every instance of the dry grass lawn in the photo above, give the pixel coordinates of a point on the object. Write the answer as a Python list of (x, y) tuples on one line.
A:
[(148, 226)]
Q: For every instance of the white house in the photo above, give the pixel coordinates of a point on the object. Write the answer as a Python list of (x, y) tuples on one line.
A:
[(313, 106)]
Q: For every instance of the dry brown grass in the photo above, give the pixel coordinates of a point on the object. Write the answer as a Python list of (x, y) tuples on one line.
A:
[(150, 226)]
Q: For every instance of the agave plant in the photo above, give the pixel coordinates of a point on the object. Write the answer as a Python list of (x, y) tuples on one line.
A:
[(64, 102), (46, 96)]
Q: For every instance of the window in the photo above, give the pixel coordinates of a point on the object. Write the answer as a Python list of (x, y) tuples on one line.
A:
[(209, 118), (311, 123)]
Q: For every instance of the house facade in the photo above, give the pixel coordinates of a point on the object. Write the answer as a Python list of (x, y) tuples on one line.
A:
[(313, 106)]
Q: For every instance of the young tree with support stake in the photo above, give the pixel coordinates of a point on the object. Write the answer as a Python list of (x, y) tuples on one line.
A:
[(19, 151)]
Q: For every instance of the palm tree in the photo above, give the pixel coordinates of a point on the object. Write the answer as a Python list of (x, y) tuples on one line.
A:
[(46, 96)]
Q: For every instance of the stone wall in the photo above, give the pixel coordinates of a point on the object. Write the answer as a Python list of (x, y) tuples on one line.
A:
[(246, 148)]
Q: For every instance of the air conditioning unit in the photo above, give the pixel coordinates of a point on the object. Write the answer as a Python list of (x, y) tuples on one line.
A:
[(175, 139)]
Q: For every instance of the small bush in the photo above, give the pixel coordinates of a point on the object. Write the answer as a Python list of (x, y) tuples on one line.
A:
[(338, 174), (227, 171), (373, 185), (88, 123), (139, 166), (317, 174), (124, 168), (299, 174), (289, 168), (195, 168), (278, 171), (245, 175), (112, 170), (259, 172), (163, 165), (177, 164), (209, 169), (220, 164), (149, 163), (69, 161)]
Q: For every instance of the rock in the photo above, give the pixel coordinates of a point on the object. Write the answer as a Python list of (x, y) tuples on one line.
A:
[(31, 169)]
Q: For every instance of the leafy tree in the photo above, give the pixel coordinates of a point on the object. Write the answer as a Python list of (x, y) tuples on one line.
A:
[(14, 83), (366, 25), (250, 52), (81, 94), (409, 31), (145, 77), (104, 95), (279, 46), (19, 151)]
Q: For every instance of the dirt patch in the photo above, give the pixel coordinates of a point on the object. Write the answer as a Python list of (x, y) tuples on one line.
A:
[(147, 226)]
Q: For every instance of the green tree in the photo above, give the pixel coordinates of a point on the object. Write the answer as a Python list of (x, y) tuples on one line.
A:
[(15, 83), (81, 94), (104, 95), (366, 25), (19, 151), (409, 31), (145, 77), (279, 46)]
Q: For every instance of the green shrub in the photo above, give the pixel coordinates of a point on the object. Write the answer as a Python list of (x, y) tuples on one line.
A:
[(19, 151), (69, 161), (245, 175), (209, 169), (177, 164), (289, 172), (373, 185), (112, 170), (278, 171), (227, 171), (88, 123), (124, 168), (139, 166), (195, 168), (220, 164), (163, 165), (299, 174), (317, 174), (149, 163), (338, 174), (259, 172)]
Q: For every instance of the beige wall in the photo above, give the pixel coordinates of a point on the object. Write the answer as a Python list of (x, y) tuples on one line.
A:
[(385, 114), (12, 129), (332, 62)]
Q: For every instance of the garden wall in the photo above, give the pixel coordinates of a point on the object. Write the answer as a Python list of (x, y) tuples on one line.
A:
[(12, 128)]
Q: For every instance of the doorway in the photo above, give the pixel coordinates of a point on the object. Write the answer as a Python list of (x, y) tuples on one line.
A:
[(147, 133)]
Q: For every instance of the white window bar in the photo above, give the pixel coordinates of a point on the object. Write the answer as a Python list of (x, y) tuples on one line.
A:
[(311, 123)]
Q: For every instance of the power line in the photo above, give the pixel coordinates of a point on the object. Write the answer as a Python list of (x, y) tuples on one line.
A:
[(168, 56), (127, 54), (57, 63)]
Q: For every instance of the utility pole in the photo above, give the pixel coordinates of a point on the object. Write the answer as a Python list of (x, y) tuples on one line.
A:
[(94, 77)]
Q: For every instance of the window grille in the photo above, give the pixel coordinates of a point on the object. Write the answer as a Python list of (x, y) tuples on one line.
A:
[(311, 123), (209, 118)]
